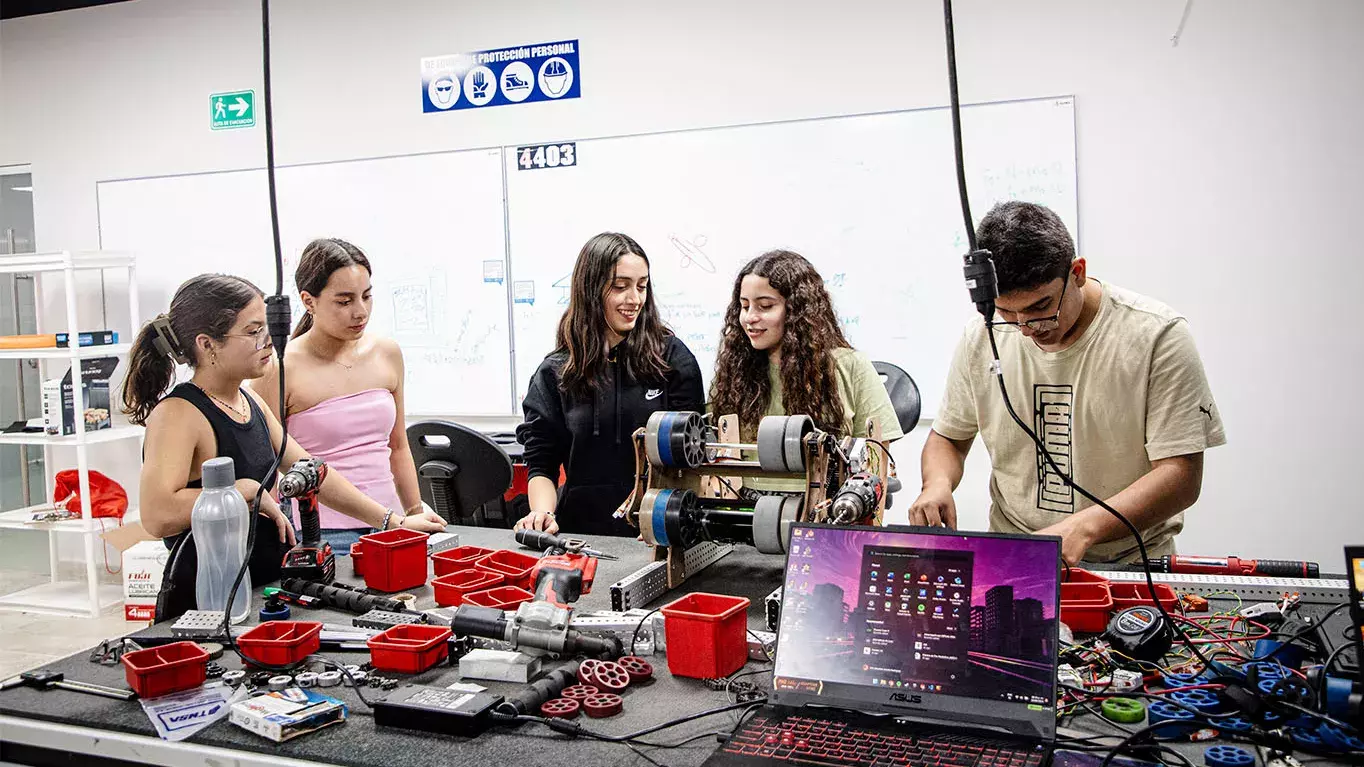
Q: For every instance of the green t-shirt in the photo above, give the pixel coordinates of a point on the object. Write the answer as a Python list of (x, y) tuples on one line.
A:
[(863, 395)]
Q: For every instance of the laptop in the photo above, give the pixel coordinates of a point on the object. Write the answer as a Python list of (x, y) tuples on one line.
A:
[(907, 645)]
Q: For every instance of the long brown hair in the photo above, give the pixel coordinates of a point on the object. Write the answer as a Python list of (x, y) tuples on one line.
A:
[(208, 305), (320, 259), (809, 385), (582, 329)]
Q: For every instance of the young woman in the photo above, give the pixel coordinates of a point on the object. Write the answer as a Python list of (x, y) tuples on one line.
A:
[(216, 325), (783, 352), (614, 365), (344, 395)]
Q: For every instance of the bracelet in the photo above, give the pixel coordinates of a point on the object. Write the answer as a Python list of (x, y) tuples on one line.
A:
[(388, 515)]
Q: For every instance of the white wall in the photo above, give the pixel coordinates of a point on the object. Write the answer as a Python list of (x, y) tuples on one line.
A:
[(1210, 173)]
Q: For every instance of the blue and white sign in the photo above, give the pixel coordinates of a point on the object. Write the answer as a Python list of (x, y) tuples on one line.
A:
[(544, 72)]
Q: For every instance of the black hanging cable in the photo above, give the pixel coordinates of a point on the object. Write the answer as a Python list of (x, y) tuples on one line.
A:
[(983, 285), (277, 315)]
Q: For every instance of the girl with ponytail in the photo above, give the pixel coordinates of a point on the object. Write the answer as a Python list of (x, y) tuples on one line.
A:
[(344, 391), (216, 325)]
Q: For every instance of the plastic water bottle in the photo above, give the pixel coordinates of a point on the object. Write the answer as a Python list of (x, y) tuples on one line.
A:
[(219, 524)]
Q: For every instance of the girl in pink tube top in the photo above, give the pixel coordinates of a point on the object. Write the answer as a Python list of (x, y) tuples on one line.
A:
[(344, 389)]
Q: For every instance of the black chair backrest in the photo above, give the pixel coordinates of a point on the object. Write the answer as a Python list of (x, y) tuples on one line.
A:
[(459, 470), (904, 394)]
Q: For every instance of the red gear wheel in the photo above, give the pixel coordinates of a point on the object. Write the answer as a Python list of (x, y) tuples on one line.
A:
[(603, 705), (585, 671), (640, 670), (579, 692), (561, 708), (610, 676)]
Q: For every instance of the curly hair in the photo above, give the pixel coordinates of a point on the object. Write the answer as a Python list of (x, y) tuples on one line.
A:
[(809, 386)]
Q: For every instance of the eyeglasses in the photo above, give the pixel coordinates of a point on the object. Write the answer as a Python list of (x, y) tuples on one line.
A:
[(261, 336), (1040, 325)]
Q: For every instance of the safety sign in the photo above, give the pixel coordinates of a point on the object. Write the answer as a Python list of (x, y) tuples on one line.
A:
[(519, 75)]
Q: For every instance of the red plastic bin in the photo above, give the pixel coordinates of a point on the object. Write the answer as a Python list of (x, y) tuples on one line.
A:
[(1085, 607), (357, 558), (1127, 595), (166, 669), (502, 597), (281, 643), (512, 564), (707, 631), (451, 589), (458, 558), (409, 648), (395, 559), (1080, 575)]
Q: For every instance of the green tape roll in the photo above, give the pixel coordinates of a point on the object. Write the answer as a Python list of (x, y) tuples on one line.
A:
[(1124, 710)]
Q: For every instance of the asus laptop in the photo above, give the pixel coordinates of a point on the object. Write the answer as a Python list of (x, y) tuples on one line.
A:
[(910, 646)]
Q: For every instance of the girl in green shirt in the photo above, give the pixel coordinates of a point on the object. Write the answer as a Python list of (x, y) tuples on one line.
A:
[(783, 352)]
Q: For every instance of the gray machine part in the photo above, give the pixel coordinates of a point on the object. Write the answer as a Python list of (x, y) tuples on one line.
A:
[(539, 627), (651, 428), (773, 516), (793, 443), (772, 443), (650, 582)]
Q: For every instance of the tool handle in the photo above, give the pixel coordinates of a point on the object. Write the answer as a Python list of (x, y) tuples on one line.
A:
[(1286, 568), (598, 647), (536, 539), (310, 519), (529, 700)]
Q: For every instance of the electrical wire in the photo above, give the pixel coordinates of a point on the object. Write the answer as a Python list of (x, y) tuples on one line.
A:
[(569, 727), (635, 636)]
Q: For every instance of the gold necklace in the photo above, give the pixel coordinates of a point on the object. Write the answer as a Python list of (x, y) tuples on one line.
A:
[(244, 413)]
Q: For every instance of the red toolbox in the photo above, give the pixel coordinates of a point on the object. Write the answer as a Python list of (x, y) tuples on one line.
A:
[(458, 558), (1127, 595), (395, 559), (1085, 606), (166, 669), (410, 648), (450, 589), (709, 631), (502, 597), (281, 643), (514, 565)]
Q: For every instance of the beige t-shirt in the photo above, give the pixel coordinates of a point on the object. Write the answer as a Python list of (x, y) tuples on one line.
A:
[(863, 395), (1130, 391)]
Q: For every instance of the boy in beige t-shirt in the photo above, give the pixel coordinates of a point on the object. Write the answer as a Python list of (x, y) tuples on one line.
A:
[(1110, 380)]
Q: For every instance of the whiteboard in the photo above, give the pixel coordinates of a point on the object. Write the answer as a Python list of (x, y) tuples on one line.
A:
[(432, 226), (871, 200)]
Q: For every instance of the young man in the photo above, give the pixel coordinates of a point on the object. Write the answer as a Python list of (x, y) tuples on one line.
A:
[(1110, 381)]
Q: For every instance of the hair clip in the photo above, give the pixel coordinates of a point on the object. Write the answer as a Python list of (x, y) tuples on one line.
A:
[(165, 340)]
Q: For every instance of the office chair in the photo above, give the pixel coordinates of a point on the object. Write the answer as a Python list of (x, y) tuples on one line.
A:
[(904, 394), (460, 471)]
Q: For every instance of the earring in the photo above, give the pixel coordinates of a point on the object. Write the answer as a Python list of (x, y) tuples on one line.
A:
[(214, 359)]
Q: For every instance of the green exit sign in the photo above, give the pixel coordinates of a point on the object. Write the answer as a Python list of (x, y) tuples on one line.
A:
[(236, 109)]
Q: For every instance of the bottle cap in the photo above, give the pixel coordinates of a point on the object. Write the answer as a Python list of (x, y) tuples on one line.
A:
[(219, 473)]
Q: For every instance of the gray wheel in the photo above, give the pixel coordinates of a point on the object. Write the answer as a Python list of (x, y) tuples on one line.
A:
[(767, 525), (687, 441), (790, 514), (651, 428), (771, 445), (797, 427)]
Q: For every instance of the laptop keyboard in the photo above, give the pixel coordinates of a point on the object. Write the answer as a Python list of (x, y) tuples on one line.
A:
[(801, 740)]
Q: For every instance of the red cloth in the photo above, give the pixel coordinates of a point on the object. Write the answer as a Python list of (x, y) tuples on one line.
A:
[(111, 500)]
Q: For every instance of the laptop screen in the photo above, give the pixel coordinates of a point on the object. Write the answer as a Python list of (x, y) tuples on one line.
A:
[(929, 615)]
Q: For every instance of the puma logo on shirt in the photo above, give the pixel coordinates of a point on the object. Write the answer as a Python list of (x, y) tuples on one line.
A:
[(653, 394), (1207, 411)]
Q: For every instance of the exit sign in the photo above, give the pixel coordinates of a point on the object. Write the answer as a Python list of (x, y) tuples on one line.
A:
[(236, 109)]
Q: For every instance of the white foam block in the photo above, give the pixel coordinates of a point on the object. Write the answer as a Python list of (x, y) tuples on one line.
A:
[(499, 666)]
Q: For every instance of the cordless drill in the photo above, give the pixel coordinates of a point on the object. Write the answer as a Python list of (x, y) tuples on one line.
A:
[(560, 579), (312, 559)]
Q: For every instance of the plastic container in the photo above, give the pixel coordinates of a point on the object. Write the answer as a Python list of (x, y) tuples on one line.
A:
[(166, 669), (357, 559), (709, 631), (281, 643), (512, 564), (1085, 607), (1080, 575), (458, 558), (1127, 595), (219, 524), (409, 648), (395, 559), (451, 589), (502, 597)]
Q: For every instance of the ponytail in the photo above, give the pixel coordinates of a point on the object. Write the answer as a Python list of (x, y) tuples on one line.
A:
[(150, 372), (305, 323), (204, 305)]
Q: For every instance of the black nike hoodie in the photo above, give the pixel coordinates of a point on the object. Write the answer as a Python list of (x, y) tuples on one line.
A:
[(591, 438)]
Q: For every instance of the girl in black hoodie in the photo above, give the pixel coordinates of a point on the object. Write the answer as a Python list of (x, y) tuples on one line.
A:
[(614, 364)]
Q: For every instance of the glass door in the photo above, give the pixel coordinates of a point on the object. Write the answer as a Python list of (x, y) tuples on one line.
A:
[(21, 468)]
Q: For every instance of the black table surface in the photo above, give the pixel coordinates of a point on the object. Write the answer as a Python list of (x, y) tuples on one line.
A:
[(359, 741)]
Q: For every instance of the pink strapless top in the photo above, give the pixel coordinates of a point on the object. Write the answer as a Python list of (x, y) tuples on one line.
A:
[(351, 434)]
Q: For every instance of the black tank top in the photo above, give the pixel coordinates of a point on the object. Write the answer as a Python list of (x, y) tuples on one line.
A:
[(248, 445)]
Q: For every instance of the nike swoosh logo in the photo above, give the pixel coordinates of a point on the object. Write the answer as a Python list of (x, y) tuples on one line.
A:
[(653, 394)]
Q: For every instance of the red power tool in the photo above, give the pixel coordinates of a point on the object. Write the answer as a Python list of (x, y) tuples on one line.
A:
[(312, 559), (1282, 568), (561, 578)]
